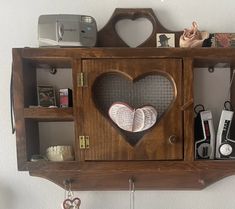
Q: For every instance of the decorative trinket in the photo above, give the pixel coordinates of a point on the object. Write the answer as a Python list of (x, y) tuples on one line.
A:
[(193, 37), (133, 120), (70, 202)]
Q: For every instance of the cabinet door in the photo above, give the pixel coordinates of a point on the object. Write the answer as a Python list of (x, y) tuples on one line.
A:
[(137, 82)]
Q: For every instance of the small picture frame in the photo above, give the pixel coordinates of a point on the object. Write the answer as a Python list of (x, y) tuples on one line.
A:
[(165, 40), (46, 96), (223, 40)]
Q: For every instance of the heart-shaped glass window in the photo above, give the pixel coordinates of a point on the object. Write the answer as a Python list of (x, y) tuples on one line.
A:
[(157, 90)]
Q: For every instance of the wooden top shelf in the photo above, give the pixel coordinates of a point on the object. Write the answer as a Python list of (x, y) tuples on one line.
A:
[(49, 114), (203, 57)]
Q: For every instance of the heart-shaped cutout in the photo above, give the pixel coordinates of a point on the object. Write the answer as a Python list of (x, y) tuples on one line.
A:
[(133, 120), (156, 90), (71, 203), (134, 32)]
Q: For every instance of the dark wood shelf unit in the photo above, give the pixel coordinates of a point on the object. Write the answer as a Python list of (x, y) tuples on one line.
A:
[(100, 167)]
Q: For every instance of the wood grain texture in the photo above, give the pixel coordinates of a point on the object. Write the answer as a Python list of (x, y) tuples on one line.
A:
[(18, 105), (202, 57), (106, 142), (188, 109), (49, 114), (148, 175), (78, 106), (183, 173), (108, 36)]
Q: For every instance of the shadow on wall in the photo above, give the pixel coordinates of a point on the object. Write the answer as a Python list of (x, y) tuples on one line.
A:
[(6, 197)]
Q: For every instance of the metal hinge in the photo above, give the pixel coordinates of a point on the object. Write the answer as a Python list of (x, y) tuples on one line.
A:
[(84, 142), (82, 79)]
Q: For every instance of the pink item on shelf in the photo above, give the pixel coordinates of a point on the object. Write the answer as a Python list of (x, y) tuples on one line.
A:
[(193, 37)]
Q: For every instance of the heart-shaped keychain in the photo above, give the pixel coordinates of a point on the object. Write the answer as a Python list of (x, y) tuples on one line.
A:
[(71, 203), (133, 120)]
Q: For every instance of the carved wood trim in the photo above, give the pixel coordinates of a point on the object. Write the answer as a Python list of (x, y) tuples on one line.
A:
[(108, 36)]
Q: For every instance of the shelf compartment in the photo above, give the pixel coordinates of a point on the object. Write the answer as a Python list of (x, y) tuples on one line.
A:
[(49, 114), (41, 134)]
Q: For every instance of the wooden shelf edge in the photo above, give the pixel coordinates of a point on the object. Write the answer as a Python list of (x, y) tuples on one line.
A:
[(131, 166), (158, 180), (203, 56), (49, 114), (68, 53), (152, 175)]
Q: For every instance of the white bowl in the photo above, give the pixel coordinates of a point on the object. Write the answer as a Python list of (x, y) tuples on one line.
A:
[(60, 153)]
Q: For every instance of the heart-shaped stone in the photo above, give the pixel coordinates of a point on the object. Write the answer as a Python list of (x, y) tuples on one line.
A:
[(71, 203), (155, 90), (133, 120), (134, 32)]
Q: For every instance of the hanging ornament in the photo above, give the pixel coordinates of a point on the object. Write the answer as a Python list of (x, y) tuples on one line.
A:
[(132, 193), (70, 201)]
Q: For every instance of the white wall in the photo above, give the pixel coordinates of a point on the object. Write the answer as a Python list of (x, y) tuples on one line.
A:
[(18, 28)]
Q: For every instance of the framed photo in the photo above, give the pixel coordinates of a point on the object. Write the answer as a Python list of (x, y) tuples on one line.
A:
[(165, 40), (223, 40), (46, 96)]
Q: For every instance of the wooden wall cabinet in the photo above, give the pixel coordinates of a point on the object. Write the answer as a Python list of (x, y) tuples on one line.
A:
[(105, 156)]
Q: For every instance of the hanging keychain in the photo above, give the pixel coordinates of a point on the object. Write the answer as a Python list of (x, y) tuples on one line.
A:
[(204, 133), (225, 147), (70, 202), (132, 193)]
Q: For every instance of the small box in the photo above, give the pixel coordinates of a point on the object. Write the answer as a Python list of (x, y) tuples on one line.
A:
[(66, 99), (46, 96)]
